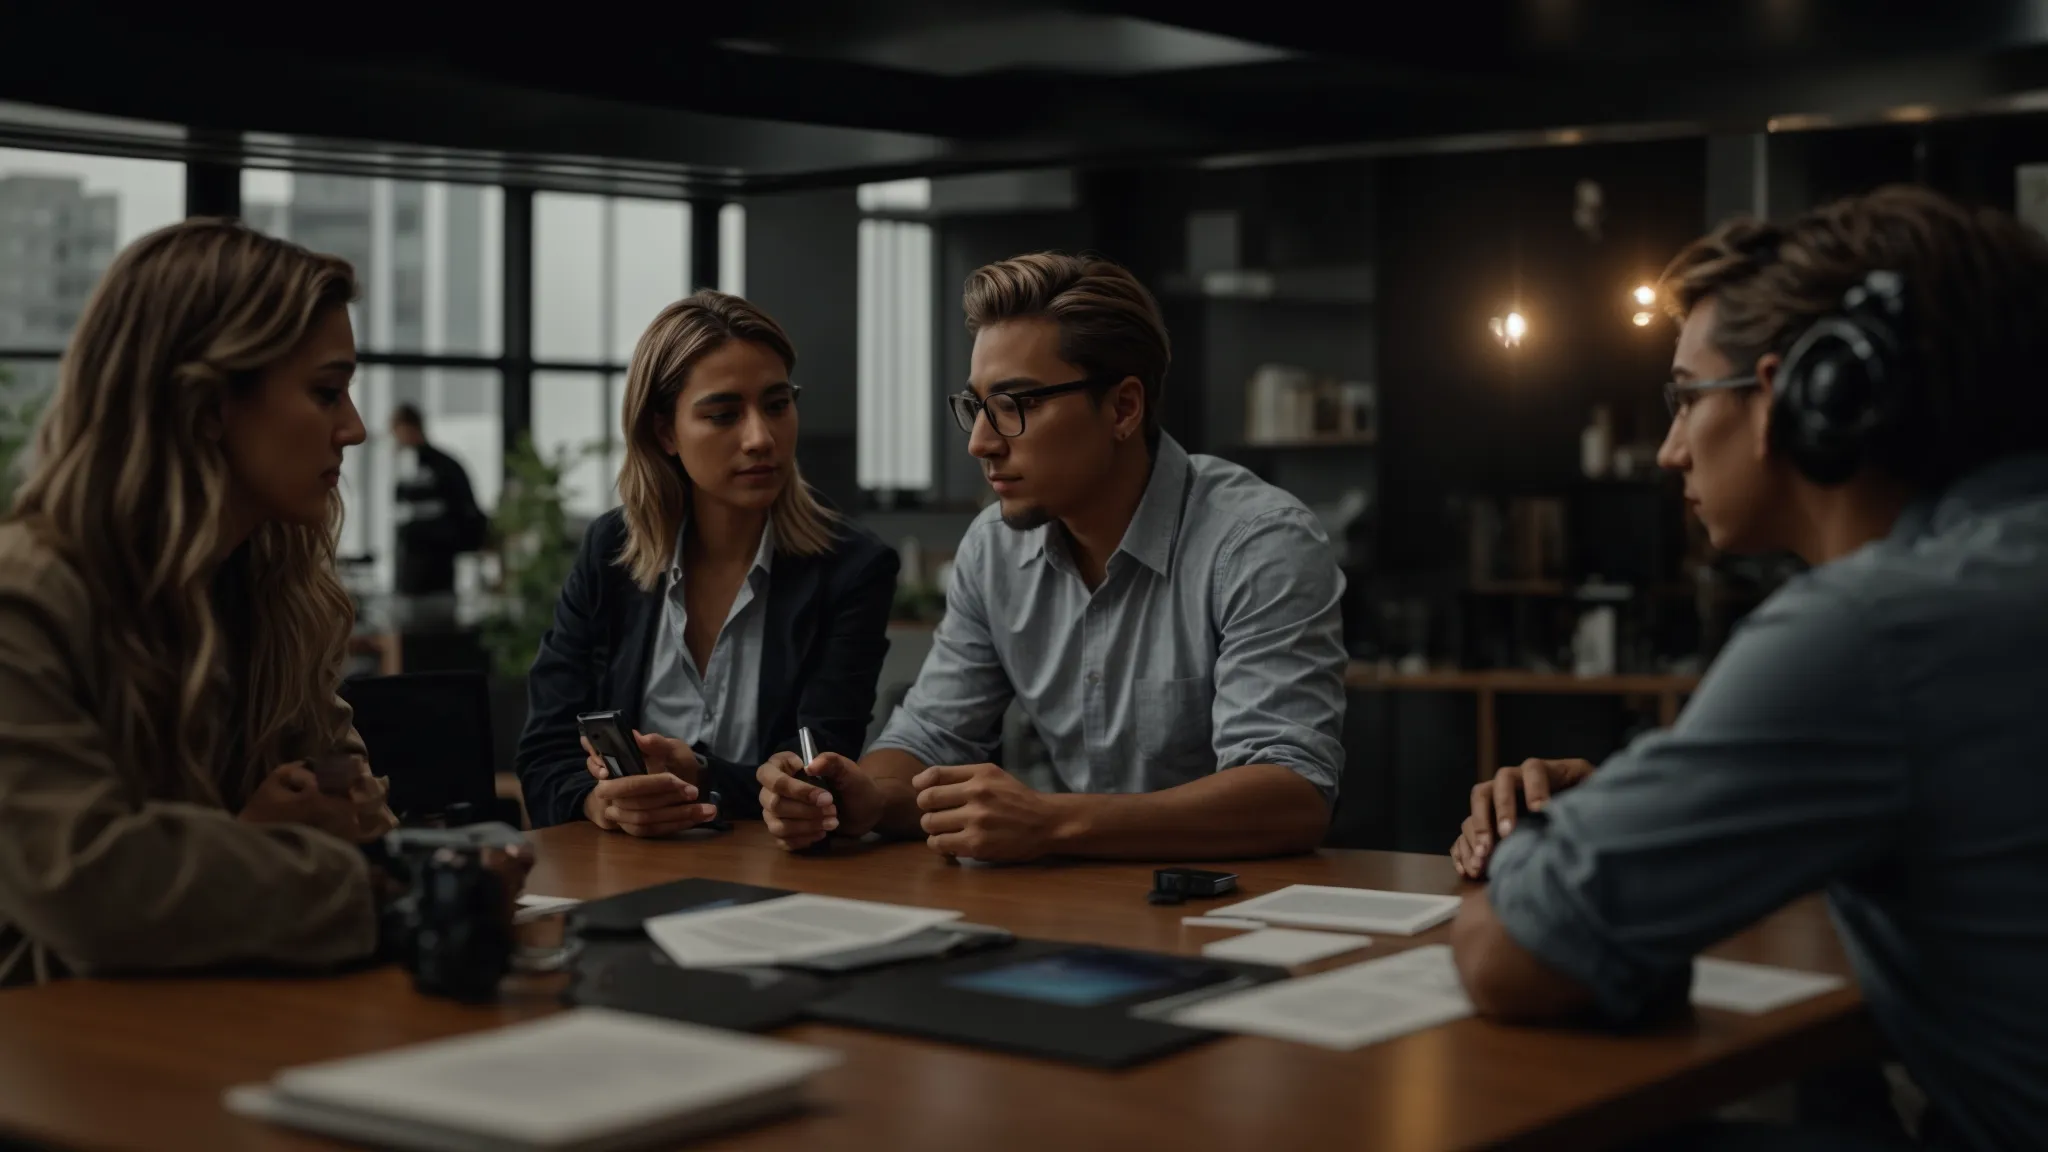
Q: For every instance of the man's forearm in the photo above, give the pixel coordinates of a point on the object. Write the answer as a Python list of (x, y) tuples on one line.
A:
[(1505, 980), (1256, 810), (892, 769)]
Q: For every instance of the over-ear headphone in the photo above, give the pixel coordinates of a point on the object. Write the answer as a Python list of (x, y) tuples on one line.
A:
[(1837, 395)]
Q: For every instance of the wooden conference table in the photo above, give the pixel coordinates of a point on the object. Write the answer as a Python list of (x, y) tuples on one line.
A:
[(141, 1064)]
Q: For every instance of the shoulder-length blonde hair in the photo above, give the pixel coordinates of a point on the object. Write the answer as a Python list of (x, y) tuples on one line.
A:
[(653, 487), (126, 481)]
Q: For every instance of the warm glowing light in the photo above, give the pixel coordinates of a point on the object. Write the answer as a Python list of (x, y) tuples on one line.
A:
[(1641, 319), (1645, 295), (1509, 329)]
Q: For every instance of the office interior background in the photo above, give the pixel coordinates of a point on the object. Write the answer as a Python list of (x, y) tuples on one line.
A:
[(1407, 283)]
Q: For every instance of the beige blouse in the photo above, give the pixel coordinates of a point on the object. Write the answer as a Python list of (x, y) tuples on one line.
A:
[(102, 869)]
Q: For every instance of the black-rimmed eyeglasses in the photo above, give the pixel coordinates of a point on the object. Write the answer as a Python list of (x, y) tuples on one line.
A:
[(1679, 393), (1006, 409)]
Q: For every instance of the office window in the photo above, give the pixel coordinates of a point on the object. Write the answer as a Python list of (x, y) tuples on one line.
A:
[(369, 472), (615, 448), (649, 267), (429, 264), (63, 217), (573, 412), (429, 257), (732, 249), (894, 379), (603, 266)]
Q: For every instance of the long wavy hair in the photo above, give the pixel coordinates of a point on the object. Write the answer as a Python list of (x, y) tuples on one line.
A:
[(653, 487), (126, 482)]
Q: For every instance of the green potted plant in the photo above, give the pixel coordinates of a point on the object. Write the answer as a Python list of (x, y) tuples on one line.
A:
[(17, 428), (535, 550)]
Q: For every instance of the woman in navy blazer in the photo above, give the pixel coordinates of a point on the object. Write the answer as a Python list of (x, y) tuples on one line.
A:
[(720, 608)]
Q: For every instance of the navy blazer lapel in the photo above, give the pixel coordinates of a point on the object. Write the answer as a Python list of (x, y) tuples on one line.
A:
[(792, 618), (641, 615)]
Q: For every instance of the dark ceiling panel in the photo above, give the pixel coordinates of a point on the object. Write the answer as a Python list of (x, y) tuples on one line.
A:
[(1496, 35), (786, 93)]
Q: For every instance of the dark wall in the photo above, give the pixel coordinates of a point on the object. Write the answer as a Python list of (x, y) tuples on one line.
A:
[(803, 268), (1294, 217), (1465, 237), (1972, 160)]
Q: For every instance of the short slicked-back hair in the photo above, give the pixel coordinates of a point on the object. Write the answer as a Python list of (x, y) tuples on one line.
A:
[(1109, 324)]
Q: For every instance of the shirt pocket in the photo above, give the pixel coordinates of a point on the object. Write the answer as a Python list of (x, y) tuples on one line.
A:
[(1173, 719)]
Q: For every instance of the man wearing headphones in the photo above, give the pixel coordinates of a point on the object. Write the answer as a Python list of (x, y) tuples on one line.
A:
[(1863, 388)]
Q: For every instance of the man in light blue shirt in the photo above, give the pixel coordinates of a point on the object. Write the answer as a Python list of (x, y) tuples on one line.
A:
[(1169, 623), (1875, 729)]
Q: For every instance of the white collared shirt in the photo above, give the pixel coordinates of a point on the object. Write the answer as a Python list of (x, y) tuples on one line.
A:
[(717, 710)]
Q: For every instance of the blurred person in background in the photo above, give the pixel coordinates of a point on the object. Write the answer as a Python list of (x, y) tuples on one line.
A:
[(180, 786), (720, 608), (437, 514), (1862, 388)]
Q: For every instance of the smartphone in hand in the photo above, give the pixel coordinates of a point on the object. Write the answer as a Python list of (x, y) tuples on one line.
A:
[(615, 746)]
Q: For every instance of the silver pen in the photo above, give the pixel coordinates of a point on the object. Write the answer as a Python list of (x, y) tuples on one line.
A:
[(809, 749)]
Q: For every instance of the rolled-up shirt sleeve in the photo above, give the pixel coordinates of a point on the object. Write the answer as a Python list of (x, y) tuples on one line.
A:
[(1787, 769), (1280, 651), (954, 713)]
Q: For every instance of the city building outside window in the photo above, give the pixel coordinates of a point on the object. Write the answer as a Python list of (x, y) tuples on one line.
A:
[(63, 216)]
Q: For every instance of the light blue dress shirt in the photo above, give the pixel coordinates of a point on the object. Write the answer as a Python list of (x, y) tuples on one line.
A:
[(716, 710), (1214, 641), (1875, 729)]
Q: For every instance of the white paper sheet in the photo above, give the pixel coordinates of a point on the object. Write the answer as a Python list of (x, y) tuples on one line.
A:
[(532, 907), (1221, 922), (1347, 1008), (1754, 989), (799, 927), (1345, 909), (1285, 947), (587, 1077)]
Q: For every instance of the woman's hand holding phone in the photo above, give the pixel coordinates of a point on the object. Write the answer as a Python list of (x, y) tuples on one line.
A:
[(661, 754), (662, 802)]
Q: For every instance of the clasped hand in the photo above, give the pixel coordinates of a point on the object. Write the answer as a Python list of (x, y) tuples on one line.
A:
[(977, 811), (1494, 806), (981, 812), (351, 807)]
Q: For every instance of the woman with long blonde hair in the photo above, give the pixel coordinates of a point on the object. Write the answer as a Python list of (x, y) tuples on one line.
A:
[(720, 608), (179, 784)]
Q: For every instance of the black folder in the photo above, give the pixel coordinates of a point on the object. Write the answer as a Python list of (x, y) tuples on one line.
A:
[(633, 975), (624, 914), (1070, 1002)]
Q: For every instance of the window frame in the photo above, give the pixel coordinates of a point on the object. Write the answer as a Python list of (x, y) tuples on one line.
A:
[(214, 189)]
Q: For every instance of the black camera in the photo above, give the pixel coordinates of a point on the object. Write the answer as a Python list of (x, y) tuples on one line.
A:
[(451, 928)]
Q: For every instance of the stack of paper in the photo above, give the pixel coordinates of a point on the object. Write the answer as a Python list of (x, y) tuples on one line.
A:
[(785, 930), (1345, 909), (581, 1080), (1346, 1008)]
